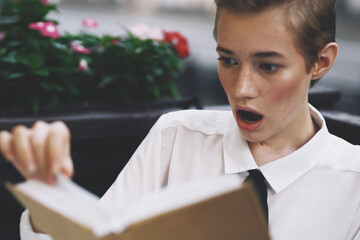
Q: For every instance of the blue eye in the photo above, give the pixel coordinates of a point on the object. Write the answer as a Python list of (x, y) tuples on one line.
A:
[(227, 61), (269, 67)]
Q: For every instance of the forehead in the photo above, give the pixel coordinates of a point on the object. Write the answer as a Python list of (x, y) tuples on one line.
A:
[(266, 29)]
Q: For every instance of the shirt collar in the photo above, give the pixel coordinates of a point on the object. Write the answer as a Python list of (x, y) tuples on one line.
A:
[(282, 172)]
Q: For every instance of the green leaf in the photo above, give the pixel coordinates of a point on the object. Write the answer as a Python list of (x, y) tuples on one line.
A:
[(149, 78), (41, 72), (106, 81), (2, 51), (73, 90), (34, 104), (174, 91), (156, 91), (10, 58), (58, 88), (46, 85), (158, 71), (14, 43), (36, 61), (59, 46), (22, 58), (15, 75)]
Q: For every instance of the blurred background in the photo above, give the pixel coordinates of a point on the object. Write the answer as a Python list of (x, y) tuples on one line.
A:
[(194, 18), (102, 145)]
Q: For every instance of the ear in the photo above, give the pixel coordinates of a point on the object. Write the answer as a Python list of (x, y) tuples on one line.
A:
[(326, 58)]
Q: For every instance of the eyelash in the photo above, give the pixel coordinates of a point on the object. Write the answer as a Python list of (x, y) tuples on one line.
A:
[(225, 61), (263, 66), (274, 67)]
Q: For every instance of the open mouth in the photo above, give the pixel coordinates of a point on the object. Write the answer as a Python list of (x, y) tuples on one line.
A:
[(249, 117)]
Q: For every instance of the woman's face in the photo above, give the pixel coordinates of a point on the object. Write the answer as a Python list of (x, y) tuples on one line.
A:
[(263, 73)]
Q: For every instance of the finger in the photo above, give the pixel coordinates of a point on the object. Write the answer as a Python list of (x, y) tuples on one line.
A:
[(7, 149), (38, 139), (68, 168), (24, 157), (58, 146), (6, 146)]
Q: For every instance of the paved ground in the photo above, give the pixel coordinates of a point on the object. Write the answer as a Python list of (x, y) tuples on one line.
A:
[(197, 26)]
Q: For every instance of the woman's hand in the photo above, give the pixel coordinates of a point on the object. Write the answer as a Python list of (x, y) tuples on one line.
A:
[(39, 152)]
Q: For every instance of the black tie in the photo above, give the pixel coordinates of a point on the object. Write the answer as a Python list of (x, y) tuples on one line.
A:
[(256, 177)]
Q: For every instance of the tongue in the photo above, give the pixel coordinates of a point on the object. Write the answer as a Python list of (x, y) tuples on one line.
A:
[(249, 116)]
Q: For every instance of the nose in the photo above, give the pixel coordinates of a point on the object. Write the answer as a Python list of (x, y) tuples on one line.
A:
[(245, 87)]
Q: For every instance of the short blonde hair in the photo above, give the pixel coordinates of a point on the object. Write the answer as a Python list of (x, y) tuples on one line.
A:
[(312, 21)]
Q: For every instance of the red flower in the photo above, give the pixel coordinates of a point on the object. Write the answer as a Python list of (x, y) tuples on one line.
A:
[(45, 2), (47, 29), (114, 41), (180, 43), (78, 48), (89, 22)]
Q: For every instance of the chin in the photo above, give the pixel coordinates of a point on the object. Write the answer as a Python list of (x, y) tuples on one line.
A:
[(252, 137)]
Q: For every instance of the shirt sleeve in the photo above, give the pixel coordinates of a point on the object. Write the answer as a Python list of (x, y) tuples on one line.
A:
[(354, 230), (146, 172), (26, 230)]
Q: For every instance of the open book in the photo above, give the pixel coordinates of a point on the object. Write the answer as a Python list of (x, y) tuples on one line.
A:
[(212, 209)]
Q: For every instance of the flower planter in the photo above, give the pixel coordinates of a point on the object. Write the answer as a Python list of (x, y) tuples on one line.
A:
[(39, 66)]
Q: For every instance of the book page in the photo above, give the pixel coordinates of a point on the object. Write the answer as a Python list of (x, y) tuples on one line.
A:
[(74, 202)]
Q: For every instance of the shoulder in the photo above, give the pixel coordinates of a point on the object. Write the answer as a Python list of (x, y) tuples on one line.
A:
[(342, 155), (335, 152), (343, 147), (205, 121)]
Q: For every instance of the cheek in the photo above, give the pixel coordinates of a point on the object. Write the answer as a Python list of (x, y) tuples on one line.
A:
[(224, 79), (291, 89)]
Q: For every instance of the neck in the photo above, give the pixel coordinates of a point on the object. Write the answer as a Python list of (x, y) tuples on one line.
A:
[(285, 143)]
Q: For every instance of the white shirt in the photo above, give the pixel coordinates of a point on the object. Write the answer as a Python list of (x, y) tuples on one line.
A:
[(313, 193)]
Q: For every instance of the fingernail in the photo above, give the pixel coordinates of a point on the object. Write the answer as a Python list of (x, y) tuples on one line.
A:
[(56, 167), (31, 168), (51, 180)]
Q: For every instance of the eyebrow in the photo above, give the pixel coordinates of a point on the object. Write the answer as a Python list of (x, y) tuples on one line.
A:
[(224, 50), (269, 54), (259, 54)]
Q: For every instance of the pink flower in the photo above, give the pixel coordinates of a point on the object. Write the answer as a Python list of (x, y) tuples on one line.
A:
[(89, 22), (47, 29), (83, 66), (78, 48), (156, 34), (144, 32), (45, 2), (37, 26), (2, 35)]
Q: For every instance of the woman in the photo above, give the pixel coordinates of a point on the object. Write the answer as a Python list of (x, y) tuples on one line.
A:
[(270, 53)]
